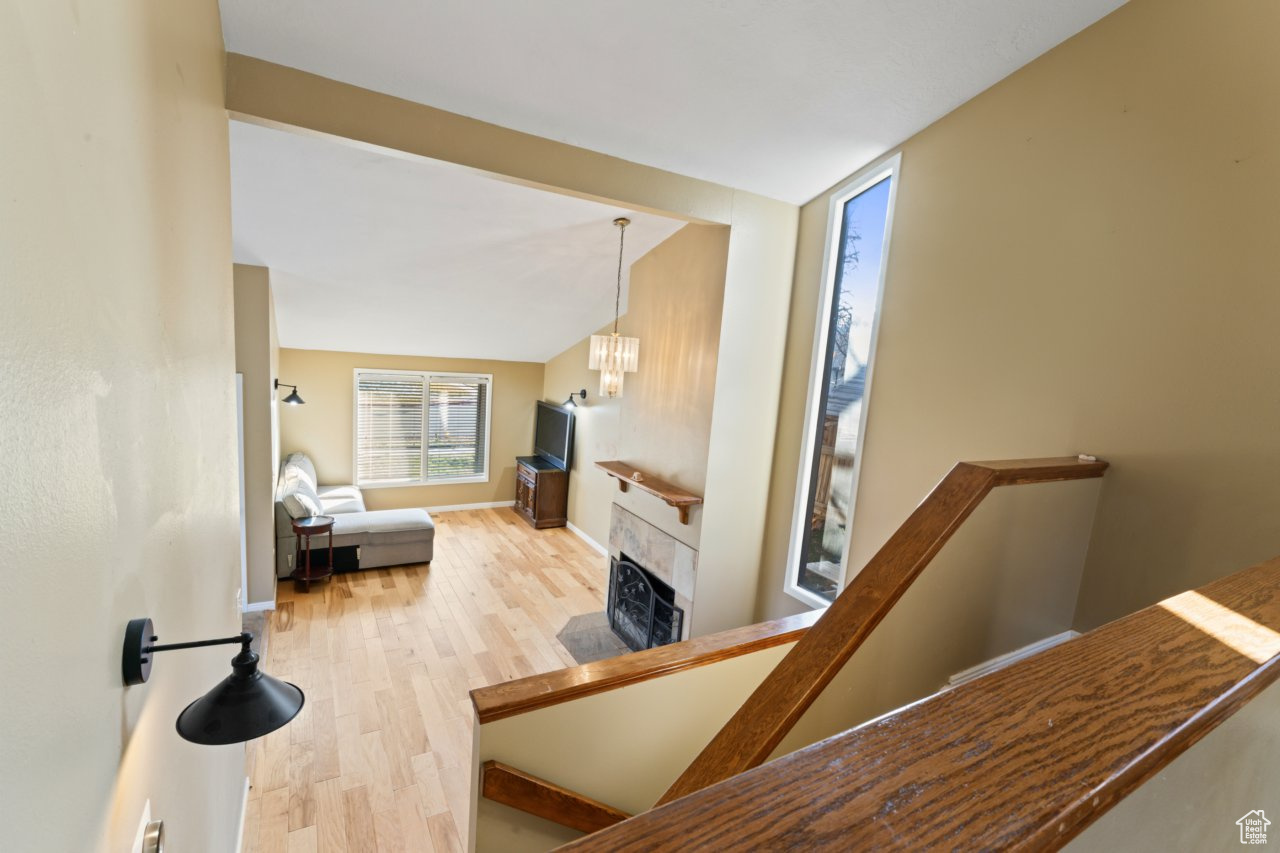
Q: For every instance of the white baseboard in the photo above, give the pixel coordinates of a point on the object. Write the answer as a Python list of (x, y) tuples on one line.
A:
[(1014, 656), (255, 606), (577, 531), (458, 507), (244, 810)]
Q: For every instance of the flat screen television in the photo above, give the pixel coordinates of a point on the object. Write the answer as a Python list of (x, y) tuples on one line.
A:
[(553, 436)]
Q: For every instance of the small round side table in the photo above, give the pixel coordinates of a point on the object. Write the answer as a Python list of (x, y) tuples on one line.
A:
[(305, 528)]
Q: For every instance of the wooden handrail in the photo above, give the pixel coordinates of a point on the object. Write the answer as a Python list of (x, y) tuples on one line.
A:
[(518, 789), (769, 713), (1023, 759), (540, 691)]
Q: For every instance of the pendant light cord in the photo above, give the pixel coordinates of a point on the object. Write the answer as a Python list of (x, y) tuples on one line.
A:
[(617, 296)]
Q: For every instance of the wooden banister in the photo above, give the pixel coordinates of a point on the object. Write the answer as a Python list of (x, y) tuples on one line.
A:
[(517, 789), (1023, 759), (769, 713), (540, 691)]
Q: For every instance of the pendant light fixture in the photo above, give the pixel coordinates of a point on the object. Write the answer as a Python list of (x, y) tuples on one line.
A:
[(612, 355)]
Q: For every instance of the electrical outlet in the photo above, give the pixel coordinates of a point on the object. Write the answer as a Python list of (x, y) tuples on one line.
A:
[(288, 560)]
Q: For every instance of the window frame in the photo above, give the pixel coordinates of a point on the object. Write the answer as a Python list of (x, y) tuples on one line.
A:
[(427, 376), (861, 181)]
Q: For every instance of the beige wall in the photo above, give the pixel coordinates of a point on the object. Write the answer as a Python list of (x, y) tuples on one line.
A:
[(662, 422), (273, 349), (323, 427), (595, 433), (257, 355), (118, 434), (667, 721), (1007, 579), (758, 274), (1082, 261)]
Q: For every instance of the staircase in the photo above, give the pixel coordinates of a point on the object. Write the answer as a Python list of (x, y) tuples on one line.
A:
[(1000, 761)]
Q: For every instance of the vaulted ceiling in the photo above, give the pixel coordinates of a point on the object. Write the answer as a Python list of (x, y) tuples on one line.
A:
[(780, 97), (373, 253)]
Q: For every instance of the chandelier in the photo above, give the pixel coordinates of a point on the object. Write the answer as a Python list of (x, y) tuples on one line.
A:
[(612, 355)]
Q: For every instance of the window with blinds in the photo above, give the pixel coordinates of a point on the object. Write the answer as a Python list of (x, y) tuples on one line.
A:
[(415, 428)]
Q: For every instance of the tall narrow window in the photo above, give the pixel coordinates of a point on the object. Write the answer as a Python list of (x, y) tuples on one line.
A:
[(420, 428), (840, 382)]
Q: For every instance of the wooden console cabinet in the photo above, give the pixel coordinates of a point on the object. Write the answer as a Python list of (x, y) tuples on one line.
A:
[(542, 492)]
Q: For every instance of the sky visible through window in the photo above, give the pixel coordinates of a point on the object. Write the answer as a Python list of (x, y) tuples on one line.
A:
[(865, 215)]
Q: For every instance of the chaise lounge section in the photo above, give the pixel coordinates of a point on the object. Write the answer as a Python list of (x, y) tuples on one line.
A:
[(384, 537)]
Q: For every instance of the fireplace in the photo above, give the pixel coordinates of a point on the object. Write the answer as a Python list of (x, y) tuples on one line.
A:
[(642, 609)]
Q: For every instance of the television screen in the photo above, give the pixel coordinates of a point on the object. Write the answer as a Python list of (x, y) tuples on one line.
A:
[(553, 437)]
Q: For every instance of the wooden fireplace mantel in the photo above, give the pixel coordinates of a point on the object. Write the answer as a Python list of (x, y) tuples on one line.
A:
[(672, 495)]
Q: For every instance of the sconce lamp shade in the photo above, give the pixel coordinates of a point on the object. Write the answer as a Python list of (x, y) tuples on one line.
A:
[(572, 401), (244, 705), (292, 399)]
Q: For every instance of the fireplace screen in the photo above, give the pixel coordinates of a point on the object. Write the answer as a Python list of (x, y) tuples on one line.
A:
[(642, 609)]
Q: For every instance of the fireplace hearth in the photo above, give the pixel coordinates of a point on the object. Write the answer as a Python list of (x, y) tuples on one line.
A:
[(642, 608)]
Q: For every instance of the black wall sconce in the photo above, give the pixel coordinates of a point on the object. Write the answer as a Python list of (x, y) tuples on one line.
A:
[(244, 705), (573, 402), (293, 399)]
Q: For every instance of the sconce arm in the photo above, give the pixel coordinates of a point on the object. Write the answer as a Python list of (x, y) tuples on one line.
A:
[(244, 639)]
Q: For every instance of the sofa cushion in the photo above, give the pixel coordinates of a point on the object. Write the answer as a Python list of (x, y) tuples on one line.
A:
[(339, 499), (298, 466), (390, 520), (345, 534), (389, 526)]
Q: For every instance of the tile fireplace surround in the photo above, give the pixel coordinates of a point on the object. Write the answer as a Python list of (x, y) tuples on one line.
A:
[(672, 561)]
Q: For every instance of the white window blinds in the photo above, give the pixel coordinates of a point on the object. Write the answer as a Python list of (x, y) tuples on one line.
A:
[(456, 426), (420, 427), (389, 428)]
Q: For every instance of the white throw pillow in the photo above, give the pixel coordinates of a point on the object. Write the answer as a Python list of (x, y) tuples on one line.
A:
[(300, 501)]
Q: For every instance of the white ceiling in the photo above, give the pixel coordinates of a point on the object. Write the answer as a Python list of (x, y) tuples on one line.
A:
[(780, 97), (375, 253)]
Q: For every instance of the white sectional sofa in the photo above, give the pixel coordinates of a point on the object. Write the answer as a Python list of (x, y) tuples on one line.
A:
[(385, 537)]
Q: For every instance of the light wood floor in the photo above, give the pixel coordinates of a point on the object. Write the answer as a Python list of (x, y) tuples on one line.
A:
[(379, 759)]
